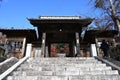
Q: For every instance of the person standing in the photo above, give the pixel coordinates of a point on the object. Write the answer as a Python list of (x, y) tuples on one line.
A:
[(105, 47)]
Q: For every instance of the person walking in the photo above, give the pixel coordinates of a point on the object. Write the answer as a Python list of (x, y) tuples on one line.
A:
[(105, 47)]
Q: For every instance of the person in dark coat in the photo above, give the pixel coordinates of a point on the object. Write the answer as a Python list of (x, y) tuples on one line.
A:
[(105, 47)]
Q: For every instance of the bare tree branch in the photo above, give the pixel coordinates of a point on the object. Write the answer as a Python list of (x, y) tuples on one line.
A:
[(108, 17)]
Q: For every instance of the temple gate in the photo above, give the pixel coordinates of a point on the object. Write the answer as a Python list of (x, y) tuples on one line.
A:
[(60, 30)]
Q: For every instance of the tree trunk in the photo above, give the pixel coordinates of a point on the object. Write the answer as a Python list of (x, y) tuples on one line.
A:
[(117, 23)]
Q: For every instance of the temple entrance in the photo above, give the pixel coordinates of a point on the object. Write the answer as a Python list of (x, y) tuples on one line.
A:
[(60, 44), (59, 50)]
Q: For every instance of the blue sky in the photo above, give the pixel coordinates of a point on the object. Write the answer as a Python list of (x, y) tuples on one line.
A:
[(14, 13)]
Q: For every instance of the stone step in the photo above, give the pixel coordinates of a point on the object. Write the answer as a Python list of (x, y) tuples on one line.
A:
[(75, 68), (36, 68), (63, 73), (59, 58), (109, 72), (62, 59), (63, 66), (81, 68), (96, 77), (91, 61), (23, 78), (63, 62), (85, 77), (88, 61)]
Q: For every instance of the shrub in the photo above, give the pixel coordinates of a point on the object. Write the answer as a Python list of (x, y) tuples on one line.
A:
[(115, 52)]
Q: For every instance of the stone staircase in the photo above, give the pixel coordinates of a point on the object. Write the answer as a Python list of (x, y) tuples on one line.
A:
[(79, 68)]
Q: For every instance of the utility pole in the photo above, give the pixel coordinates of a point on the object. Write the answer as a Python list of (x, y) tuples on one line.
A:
[(114, 15)]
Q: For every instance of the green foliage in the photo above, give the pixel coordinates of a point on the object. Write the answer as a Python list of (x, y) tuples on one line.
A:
[(115, 52)]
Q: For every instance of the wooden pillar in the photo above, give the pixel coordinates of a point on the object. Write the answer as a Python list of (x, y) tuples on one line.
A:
[(46, 54), (43, 44), (74, 47), (97, 46), (23, 46), (77, 44), (71, 54)]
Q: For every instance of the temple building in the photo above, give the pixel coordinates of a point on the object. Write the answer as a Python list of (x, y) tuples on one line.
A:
[(16, 41), (58, 50), (58, 36)]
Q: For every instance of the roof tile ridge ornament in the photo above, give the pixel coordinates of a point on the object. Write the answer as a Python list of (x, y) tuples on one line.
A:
[(56, 18), (31, 19), (60, 17)]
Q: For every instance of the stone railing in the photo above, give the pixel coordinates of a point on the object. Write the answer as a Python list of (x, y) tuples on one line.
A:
[(115, 67), (7, 64), (8, 71)]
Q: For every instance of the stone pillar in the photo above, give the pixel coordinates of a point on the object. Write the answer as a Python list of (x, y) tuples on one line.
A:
[(77, 44), (28, 50), (43, 44), (114, 43), (93, 50)]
